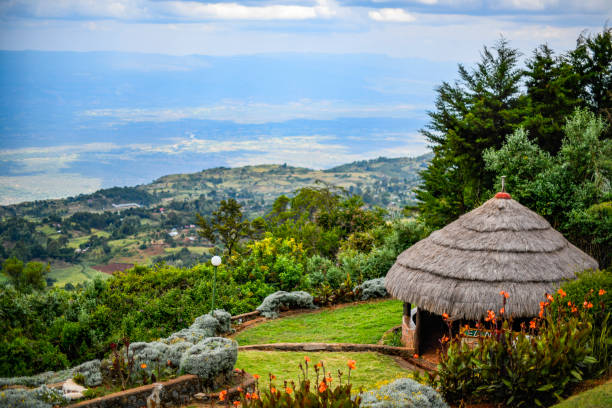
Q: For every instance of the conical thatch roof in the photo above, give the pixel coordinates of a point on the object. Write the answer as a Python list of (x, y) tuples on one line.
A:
[(501, 245)]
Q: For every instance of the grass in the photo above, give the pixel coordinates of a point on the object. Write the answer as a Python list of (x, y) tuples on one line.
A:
[(372, 368), (198, 250), (363, 323), (597, 397), (75, 274)]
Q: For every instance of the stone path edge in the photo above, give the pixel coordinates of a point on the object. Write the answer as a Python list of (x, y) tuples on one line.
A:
[(402, 352)]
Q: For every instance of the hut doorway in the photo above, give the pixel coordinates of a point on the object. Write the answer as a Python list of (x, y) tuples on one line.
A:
[(430, 328)]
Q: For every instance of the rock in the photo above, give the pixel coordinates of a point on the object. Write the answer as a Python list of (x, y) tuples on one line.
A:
[(71, 387), (73, 395), (154, 400)]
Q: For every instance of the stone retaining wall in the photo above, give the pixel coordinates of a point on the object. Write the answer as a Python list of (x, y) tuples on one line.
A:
[(175, 392)]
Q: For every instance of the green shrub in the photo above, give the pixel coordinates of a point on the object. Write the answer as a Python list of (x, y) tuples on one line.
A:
[(79, 378), (520, 369)]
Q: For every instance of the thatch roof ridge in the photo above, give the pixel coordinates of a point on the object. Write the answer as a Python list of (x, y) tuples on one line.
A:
[(501, 245)]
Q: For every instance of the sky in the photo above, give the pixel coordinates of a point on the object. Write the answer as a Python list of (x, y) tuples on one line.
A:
[(97, 93), (431, 29)]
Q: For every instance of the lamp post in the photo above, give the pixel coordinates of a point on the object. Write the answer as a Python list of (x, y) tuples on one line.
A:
[(215, 261)]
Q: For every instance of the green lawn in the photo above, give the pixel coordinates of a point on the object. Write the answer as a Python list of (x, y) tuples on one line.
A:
[(75, 274), (371, 369), (363, 323), (595, 398)]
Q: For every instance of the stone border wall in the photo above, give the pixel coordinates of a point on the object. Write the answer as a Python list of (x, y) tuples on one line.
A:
[(175, 392)]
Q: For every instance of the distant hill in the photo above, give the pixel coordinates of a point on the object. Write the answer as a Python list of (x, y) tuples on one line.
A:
[(384, 182)]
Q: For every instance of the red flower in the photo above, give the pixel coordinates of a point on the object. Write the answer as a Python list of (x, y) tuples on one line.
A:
[(236, 403), (415, 356), (532, 324), (256, 376), (561, 292), (602, 292)]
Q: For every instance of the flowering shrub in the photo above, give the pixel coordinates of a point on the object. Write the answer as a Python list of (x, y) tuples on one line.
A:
[(402, 393), (537, 365), (291, 300), (304, 394), (210, 358), (41, 397)]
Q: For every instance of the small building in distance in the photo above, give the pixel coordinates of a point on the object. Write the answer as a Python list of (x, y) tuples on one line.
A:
[(461, 269), (125, 206)]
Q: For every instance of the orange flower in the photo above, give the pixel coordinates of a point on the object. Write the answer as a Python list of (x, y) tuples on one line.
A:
[(307, 359), (272, 377), (574, 309), (254, 396), (504, 294), (319, 364), (351, 364), (239, 389), (256, 376), (328, 379), (532, 324), (273, 390), (322, 386), (561, 292), (169, 363), (587, 305), (569, 303), (490, 316), (236, 403), (415, 356), (602, 292), (288, 390), (247, 395), (222, 395), (445, 316), (502, 310), (444, 339), (237, 370), (143, 366), (550, 298)]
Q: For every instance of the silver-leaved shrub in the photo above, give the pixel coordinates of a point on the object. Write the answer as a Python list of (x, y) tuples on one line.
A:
[(291, 300), (403, 393), (210, 359)]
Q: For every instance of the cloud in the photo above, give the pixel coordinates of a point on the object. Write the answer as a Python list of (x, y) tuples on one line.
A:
[(259, 112), (173, 10), (393, 15)]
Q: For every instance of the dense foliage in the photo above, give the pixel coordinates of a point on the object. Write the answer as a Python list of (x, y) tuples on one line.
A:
[(540, 364), (571, 188), (54, 328), (497, 97)]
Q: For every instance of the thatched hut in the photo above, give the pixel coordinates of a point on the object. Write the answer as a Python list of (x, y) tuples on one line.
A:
[(461, 268)]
